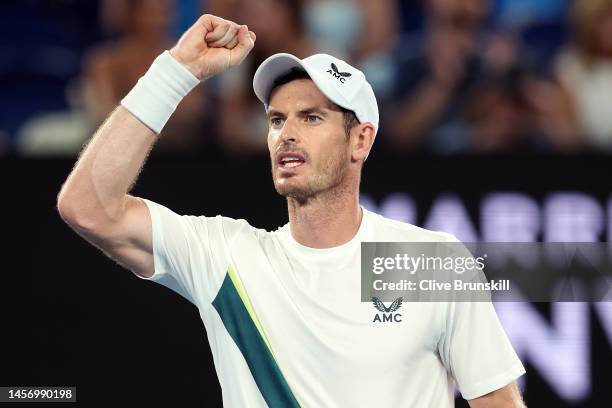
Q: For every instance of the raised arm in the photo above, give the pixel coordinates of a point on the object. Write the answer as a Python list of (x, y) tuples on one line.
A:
[(94, 199)]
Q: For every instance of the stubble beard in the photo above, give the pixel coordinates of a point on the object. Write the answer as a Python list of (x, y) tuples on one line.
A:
[(326, 179)]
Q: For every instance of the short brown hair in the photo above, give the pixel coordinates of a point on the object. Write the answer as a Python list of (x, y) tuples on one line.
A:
[(349, 118)]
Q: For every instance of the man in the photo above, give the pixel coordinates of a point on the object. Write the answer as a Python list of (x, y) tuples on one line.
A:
[(282, 309)]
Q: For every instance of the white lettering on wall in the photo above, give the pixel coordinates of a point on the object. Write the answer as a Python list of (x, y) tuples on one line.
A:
[(560, 350)]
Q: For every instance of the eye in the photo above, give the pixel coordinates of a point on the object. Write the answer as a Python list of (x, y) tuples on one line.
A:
[(313, 119), (276, 121)]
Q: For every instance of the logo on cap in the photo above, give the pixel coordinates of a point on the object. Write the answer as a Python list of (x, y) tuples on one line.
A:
[(341, 76)]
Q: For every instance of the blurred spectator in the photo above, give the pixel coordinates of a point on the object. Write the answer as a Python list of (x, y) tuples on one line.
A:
[(467, 85), (476, 76), (109, 71), (41, 42), (540, 24), (584, 70), (60, 133), (498, 119), (438, 68)]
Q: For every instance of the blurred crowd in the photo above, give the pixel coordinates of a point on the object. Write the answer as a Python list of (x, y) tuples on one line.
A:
[(451, 76)]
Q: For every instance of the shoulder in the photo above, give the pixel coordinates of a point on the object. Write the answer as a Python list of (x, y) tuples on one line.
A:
[(229, 226), (164, 219), (394, 230)]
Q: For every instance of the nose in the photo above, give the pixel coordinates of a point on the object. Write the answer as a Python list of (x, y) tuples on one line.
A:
[(289, 131)]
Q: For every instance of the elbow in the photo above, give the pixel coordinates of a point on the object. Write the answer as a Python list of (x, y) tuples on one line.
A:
[(62, 207), (84, 215), (65, 211), (69, 212)]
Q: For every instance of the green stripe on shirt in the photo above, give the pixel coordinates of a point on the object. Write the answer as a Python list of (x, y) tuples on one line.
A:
[(242, 324)]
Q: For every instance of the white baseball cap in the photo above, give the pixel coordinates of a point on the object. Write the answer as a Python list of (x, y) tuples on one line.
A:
[(342, 83)]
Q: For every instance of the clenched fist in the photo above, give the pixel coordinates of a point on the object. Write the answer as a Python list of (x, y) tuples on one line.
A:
[(212, 45)]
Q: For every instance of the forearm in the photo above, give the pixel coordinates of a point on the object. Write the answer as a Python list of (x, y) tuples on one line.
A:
[(108, 167), (95, 193)]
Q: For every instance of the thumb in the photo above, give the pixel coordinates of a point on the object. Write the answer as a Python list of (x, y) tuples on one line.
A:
[(246, 42)]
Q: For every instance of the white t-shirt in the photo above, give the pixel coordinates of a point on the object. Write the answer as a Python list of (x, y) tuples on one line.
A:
[(287, 327)]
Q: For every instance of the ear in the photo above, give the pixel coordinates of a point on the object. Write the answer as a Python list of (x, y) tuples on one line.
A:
[(362, 137)]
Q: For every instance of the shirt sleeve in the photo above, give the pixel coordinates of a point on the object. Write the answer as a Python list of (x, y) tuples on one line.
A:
[(191, 253), (475, 349)]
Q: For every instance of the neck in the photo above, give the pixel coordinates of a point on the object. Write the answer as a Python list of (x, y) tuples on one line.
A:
[(326, 220)]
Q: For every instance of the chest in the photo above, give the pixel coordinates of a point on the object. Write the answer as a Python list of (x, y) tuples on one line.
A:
[(314, 319)]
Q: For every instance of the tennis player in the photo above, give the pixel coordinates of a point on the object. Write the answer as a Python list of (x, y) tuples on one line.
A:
[(282, 309)]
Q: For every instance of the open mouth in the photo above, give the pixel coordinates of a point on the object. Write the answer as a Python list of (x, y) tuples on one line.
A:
[(289, 160)]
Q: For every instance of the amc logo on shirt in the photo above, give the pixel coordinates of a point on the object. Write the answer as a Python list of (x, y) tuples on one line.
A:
[(387, 314)]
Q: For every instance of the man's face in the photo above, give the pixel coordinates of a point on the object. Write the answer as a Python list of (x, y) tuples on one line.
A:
[(309, 149)]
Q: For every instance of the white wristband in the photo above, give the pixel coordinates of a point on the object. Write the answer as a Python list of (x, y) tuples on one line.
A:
[(159, 91)]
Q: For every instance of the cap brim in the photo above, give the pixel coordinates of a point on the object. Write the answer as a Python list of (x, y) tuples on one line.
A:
[(269, 70)]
